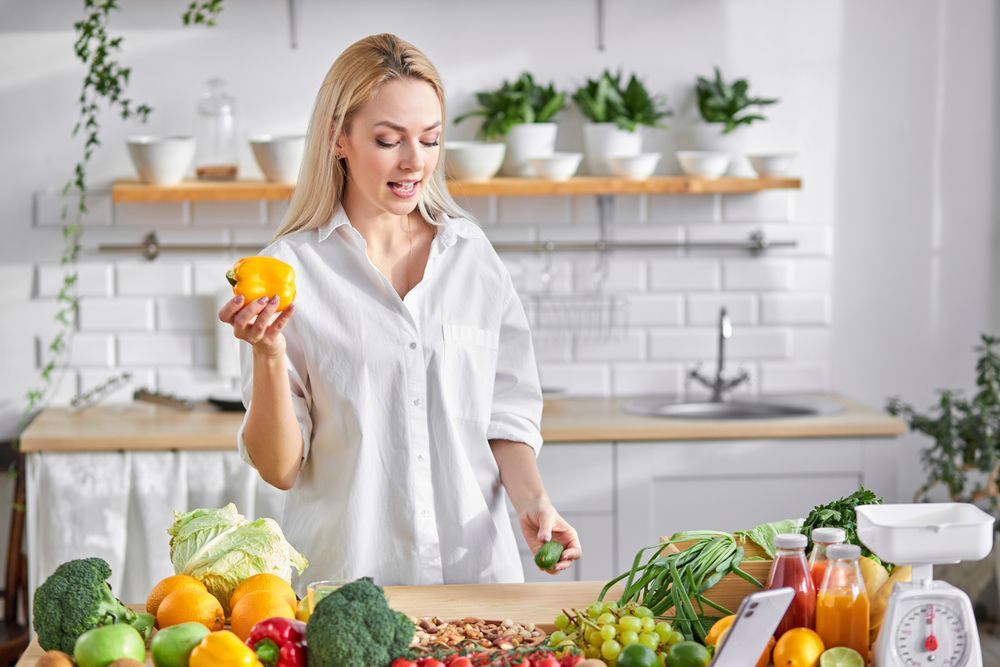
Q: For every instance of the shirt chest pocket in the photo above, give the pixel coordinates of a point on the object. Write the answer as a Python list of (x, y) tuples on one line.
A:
[(469, 370)]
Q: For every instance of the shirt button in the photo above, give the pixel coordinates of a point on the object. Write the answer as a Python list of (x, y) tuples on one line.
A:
[(425, 513), (413, 346), (418, 402), (420, 457)]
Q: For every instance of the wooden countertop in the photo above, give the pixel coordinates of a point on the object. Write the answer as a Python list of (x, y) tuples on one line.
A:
[(144, 427), (524, 603)]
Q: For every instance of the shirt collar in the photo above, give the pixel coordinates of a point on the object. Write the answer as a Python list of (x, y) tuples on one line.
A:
[(449, 229)]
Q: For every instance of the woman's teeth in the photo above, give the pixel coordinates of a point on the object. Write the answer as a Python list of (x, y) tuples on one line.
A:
[(403, 188)]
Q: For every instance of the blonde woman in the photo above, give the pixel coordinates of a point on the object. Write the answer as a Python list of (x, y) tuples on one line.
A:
[(398, 398)]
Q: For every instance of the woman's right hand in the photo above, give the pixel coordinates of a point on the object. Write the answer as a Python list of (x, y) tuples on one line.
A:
[(256, 323)]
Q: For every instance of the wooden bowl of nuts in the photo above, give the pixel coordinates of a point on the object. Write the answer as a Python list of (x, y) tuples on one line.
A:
[(432, 633)]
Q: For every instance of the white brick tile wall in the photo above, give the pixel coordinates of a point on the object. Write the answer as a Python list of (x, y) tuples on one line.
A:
[(20, 354), (656, 310), (577, 379), (793, 377), (275, 212), (620, 275), (235, 213), (155, 349), (704, 309), (194, 384), (91, 350), (684, 275), (795, 309), (150, 216), (16, 281), (813, 275), (65, 385), (625, 347), (185, 313), (626, 209), (551, 346), (516, 234), (153, 278), (811, 344), (204, 349), (534, 210), (752, 343), (696, 208), (682, 344), (128, 314), (92, 279), (483, 209), (759, 274), (646, 378), (813, 240), (209, 276), (768, 206), (49, 206), (257, 237), (36, 317)]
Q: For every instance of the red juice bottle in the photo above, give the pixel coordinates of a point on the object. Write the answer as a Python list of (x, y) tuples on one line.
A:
[(823, 538), (791, 570)]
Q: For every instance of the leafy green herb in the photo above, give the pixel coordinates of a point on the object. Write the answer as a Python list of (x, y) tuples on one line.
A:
[(720, 102), (522, 101), (840, 514), (605, 101), (965, 455)]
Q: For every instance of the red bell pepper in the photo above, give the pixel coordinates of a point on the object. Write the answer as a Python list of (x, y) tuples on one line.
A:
[(279, 642)]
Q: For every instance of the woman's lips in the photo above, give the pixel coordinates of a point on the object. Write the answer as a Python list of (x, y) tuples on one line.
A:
[(404, 190)]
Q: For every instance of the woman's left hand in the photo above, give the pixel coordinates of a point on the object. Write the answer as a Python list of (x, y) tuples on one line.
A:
[(542, 523)]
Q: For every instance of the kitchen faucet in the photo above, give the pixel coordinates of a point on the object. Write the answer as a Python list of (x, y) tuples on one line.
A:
[(721, 383)]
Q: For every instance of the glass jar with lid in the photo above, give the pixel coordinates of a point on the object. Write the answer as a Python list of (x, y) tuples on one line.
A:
[(215, 134)]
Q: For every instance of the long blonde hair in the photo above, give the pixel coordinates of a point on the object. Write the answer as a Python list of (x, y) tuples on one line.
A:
[(353, 79)]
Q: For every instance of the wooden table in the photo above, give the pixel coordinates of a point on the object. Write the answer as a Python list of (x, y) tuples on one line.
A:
[(523, 603)]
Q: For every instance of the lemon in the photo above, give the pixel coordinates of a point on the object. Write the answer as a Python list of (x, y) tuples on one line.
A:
[(841, 656), (799, 647)]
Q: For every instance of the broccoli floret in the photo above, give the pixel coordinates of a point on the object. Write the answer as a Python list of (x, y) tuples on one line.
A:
[(77, 598), (355, 627)]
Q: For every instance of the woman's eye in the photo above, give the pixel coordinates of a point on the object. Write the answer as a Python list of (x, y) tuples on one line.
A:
[(384, 144), (431, 144)]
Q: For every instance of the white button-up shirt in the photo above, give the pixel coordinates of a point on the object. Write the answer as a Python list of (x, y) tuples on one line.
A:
[(396, 400)]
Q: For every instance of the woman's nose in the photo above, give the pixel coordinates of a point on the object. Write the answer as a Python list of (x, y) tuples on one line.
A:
[(410, 157)]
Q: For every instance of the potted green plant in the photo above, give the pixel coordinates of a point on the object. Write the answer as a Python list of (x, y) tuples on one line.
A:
[(724, 108), (521, 113), (616, 114), (964, 455)]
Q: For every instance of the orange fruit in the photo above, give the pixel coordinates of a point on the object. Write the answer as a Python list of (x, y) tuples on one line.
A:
[(264, 581), (184, 605), (255, 607), (799, 647), (168, 586), (718, 628)]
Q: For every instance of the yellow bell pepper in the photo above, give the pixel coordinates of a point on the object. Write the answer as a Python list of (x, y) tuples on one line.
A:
[(254, 277), (223, 649)]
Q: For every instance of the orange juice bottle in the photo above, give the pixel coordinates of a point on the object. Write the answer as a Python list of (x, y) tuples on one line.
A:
[(842, 604), (822, 538)]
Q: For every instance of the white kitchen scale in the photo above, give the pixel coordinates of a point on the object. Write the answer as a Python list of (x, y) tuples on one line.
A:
[(928, 623)]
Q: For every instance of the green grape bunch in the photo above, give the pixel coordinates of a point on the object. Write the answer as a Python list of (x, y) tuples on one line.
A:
[(604, 629)]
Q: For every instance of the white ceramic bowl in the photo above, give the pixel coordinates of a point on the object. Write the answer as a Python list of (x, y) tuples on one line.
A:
[(473, 160), (161, 160), (773, 165), (279, 156), (703, 164), (635, 167), (556, 167)]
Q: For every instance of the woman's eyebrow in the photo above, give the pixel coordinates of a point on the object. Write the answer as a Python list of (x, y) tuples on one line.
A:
[(400, 128)]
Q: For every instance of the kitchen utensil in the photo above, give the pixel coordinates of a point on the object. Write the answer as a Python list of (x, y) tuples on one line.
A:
[(927, 622), (703, 164), (279, 156), (556, 167), (773, 165), (634, 167), (756, 619), (160, 398), (215, 123), (231, 402), (100, 392), (473, 160), (161, 160)]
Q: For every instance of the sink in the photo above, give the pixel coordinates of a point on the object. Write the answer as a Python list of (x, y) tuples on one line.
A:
[(744, 408)]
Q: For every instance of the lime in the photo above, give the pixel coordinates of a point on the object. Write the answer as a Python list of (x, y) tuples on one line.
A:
[(688, 654), (637, 655), (841, 656)]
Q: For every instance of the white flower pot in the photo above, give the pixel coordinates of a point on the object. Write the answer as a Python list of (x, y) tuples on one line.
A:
[(526, 141), (709, 137), (604, 140)]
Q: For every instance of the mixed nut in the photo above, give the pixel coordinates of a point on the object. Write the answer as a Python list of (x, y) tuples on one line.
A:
[(434, 633)]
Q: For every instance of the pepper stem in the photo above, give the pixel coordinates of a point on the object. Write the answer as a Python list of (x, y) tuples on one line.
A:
[(231, 277)]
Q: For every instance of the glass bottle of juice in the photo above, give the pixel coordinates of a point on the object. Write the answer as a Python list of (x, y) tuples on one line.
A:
[(822, 539), (842, 604), (790, 569)]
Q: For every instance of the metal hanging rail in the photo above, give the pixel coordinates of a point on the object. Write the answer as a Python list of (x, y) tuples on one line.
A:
[(151, 248)]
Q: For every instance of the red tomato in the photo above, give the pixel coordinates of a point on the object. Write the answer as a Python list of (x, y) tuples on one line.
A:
[(570, 660), (547, 661), (459, 661), (403, 662), (429, 662)]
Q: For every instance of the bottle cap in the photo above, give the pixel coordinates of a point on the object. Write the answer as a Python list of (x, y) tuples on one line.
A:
[(829, 535), (843, 552), (790, 541)]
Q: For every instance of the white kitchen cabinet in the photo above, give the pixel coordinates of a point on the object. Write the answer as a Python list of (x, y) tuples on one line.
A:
[(665, 487)]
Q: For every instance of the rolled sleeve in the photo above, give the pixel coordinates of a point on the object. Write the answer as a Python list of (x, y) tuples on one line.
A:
[(297, 380), (516, 412)]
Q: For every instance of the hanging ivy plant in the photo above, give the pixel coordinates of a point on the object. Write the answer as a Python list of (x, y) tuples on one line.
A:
[(106, 80)]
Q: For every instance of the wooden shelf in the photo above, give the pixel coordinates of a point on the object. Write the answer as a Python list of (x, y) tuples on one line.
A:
[(131, 191)]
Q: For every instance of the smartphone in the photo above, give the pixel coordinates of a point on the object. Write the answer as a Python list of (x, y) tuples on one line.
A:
[(756, 620)]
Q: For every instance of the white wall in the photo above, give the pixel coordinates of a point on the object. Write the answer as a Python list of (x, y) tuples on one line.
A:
[(890, 107)]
